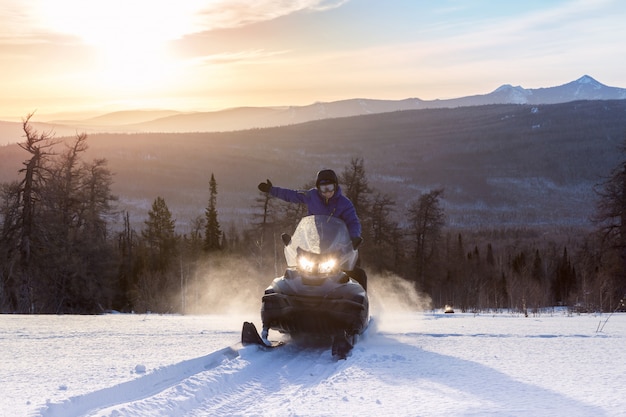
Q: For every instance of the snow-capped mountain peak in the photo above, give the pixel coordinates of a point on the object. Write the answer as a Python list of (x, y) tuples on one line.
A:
[(586, 79), (584, 88)]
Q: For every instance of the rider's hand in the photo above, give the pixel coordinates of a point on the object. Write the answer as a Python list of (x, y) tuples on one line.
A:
[(356, 242), (265, 186)]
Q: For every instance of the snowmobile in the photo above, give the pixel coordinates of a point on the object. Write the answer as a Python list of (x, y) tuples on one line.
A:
[(322, 293)]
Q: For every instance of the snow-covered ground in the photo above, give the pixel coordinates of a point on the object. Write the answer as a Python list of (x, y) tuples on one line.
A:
[(409, 364)]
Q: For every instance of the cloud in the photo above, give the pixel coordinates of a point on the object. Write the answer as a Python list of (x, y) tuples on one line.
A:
[(166, 19), (234, 57), (235, 13)]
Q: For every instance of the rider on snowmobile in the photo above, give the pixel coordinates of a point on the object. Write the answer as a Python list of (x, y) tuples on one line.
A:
[(326, 198)]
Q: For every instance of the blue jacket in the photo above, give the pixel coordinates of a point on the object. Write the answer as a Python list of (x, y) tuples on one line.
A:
[(338, 205)]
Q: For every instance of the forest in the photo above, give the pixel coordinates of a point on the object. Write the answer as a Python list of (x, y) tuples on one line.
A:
[(63, 251)]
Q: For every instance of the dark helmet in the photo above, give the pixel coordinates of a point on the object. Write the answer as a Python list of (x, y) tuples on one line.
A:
[(326, 176)]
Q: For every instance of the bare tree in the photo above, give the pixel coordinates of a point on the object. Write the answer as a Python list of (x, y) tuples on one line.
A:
[(384, 250), (38, 145), (127, 242), (356, 185), (426, 219), (610, 218), (96, 199), (23, 285), (9, 239)]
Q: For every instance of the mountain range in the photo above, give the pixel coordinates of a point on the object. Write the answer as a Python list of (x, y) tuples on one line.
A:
[(241, 118), (518, 164)]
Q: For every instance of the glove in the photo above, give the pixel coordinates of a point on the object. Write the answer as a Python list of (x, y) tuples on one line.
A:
[(356, 242), (265, 186)]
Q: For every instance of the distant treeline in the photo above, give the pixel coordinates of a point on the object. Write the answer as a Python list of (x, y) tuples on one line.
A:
[(59, 254)]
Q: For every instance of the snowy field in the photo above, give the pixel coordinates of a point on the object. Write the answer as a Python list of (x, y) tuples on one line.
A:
[(409, 364)]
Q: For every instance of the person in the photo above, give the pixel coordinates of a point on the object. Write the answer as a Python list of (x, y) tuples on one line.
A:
[(326, 199)]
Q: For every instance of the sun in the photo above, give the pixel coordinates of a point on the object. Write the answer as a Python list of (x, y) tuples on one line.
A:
[(130, 37)]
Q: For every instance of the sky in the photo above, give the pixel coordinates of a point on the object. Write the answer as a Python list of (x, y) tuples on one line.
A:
[(97, 56)]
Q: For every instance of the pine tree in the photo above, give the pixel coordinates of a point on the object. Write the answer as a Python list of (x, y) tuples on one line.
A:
[(564, 282), (159, 236), (213, 233)]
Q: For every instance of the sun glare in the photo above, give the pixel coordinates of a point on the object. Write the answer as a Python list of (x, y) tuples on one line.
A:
[(102, 22), (129, 36)]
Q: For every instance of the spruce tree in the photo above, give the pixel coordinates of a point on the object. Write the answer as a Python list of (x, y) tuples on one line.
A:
[(159, 236), (213, 233)]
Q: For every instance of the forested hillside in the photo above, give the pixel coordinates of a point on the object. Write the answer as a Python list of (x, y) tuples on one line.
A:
[(500, 165), (514, 186)]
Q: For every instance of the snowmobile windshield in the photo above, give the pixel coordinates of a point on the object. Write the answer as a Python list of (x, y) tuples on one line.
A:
[(322, 235)]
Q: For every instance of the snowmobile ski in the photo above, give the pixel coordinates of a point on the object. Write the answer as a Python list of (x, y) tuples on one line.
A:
[(250, 336), (342, 346)]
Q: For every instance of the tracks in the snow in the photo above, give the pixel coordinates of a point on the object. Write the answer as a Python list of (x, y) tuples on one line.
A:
[(233, 380)]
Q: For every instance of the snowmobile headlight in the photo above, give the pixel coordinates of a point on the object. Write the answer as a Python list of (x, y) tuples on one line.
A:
[(315, 264), (327, 266), (306, 264)]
